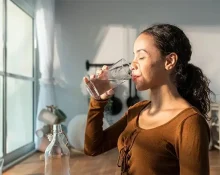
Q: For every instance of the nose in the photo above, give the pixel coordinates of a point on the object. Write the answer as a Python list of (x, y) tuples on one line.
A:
[(133, 65)]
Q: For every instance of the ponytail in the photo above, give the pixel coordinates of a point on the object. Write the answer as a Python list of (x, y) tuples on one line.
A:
[(193, 86)]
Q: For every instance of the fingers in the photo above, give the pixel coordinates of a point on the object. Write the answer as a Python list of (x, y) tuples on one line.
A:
[(92, 77), (107, 94), (99, 72), (110, 92), (104, 67), (86, 80), (102, 73)]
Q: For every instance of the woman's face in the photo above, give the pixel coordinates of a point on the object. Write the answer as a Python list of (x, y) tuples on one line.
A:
[(148, 66)]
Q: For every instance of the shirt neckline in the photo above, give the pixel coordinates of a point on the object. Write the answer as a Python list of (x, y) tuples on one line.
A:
[(176, 116)]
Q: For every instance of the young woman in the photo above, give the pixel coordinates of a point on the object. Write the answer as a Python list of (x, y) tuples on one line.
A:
[(167, 135)]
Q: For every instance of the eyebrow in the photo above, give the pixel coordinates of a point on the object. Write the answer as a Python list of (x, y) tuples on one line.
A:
[(141, 50)]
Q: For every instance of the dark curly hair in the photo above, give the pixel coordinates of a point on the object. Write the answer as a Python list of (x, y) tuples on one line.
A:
[(189, 79)]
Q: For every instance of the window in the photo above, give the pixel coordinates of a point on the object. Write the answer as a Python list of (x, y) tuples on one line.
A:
[(17, 81), (19, 41), (1, 78), (1, 116), (1, 35), (19, 113)]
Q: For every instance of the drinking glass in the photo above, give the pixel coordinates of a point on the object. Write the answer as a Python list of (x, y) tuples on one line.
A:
[(111, 78)]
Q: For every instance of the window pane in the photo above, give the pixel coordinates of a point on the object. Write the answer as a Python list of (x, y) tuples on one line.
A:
[(19, 41), (1, 35), (19, 113), (1, 116)]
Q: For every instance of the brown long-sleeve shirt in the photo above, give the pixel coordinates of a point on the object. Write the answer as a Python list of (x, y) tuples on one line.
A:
[(178, 147)]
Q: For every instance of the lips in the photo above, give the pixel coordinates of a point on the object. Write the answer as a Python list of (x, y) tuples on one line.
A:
[(134, 77)]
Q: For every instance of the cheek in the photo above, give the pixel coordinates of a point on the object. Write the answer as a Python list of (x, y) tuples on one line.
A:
[(153, 71), (147, 70)]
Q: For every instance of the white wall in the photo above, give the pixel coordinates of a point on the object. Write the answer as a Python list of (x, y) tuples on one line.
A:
[(103, 32)]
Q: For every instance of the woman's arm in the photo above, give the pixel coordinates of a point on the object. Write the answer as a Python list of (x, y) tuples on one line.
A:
[(193, 146), (98, 141)]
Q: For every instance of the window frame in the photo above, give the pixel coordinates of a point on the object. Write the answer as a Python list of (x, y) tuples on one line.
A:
[(21, 153)]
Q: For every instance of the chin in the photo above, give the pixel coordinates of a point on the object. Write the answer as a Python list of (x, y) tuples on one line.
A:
[(141, 88)]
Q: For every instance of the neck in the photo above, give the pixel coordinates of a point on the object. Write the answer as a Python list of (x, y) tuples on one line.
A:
[(164, 97)]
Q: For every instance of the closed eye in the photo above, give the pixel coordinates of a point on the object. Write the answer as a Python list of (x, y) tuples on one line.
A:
[(141, 58)]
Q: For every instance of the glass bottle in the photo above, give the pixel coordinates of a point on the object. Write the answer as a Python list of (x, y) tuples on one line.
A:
[(57, 154)]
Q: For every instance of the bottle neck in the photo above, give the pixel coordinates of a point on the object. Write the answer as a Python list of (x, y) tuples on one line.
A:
[(57, 132), (58, 135), (57, 129)]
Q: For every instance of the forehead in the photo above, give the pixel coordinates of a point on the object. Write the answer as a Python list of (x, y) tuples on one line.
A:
[(144, 41)]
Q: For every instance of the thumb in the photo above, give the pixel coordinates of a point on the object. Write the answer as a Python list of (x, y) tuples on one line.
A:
[(107, 94)]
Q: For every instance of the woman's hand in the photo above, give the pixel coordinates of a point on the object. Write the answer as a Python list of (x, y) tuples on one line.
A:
[(101, 74)]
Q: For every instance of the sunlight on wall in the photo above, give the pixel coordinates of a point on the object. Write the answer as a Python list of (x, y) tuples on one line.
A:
[(205, 43), (117, 44)]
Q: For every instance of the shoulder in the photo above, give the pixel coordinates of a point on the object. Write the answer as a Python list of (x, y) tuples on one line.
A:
[(192, 136), (192, 121), (193, 117)]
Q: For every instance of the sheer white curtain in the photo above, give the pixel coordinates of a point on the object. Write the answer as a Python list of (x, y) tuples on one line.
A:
[(45, 10)]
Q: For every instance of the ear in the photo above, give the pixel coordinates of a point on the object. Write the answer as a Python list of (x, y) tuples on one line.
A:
[(170, 61)]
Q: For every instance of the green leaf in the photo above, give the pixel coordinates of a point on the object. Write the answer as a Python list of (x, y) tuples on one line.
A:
[(61, 115)]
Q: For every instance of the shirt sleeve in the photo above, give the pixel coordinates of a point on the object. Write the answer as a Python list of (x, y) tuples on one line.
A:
[(193, 146), (98, 140)]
